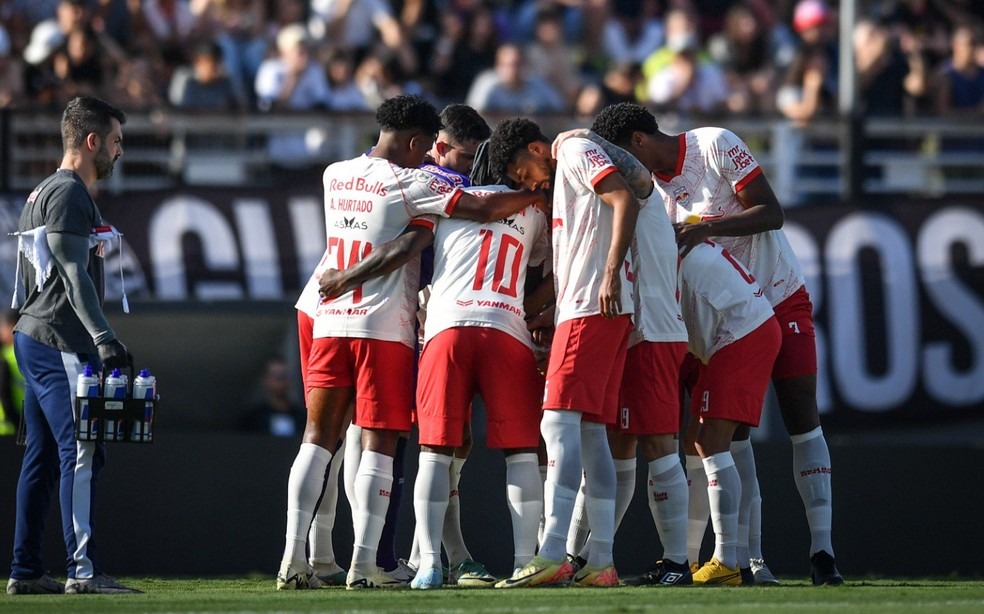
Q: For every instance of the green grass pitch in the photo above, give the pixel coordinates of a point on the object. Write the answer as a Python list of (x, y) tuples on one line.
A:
[(258, 595)]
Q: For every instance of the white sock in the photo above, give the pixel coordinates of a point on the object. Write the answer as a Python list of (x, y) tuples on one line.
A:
[(599, 492), (755, 525), (524, 494), (321, 553), (724, 493), (698, 507), (454, 541), (577, 534), (372, 489), (811, 472), (744, 457), (625, 481), (350, 468), (543, 518), (414, 560), (430, 502), (561, 432), (668, 503), (304, 487)]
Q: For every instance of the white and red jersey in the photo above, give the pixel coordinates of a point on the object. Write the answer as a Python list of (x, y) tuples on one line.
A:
[(369, 201), (480, 271), (719, 298), (582, 230), (655, 259), (714, 165)]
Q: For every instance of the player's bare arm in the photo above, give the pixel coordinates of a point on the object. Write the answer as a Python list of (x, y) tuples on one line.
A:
[(494, 206), (614, 192), (635, 174), (386, 258), (542, 295), (761, 212)]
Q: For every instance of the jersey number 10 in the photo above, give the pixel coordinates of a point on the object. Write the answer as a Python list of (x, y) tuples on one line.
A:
[(509, 254)]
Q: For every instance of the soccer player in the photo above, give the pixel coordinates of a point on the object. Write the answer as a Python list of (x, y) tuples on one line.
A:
[(649, 396), (594, 217), (476, 339), (370, 201), (709, 172)]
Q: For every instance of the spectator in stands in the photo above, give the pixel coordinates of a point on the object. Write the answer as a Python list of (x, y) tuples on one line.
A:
[(887, 79), (81, 65), (960, 79), (48, 36), (11, 78), (381, 76), (551, 58), (345, 93), (174, 25), (508, 88), (277, 413), (466, 48), (135, 87), (239, 29), (358, 25), (632, 32), (749, 56), (292, 81), (680, 76), (805, 91), (204, 85), (618, 84)]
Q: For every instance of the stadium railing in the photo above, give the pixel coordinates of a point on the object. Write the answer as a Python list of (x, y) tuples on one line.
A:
[(164, 149)]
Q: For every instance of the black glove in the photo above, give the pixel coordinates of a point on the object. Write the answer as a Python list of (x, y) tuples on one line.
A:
[(114, 355)]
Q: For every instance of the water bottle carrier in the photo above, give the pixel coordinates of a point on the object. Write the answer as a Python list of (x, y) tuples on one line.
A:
[(134, 417)]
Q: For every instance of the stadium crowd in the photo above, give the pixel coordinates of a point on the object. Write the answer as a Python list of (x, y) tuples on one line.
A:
[(699, 57)]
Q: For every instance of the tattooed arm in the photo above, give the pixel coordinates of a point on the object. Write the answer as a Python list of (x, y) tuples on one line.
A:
[(639, 178)]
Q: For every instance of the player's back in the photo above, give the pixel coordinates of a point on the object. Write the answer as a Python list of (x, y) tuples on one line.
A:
[(369, 201), (654, 265), (480, 270), (720, 300)]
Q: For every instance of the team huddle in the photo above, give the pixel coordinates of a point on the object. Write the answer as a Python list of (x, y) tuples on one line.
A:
[(583, 288)]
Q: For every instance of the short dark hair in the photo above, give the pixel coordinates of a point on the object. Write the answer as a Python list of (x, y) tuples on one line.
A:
[(84, 115), (408, 112), (510, 136), (463, 123), (616, 123)]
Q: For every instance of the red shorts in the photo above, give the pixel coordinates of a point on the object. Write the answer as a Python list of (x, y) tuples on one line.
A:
[(380, 371), (305, 335), (732, 385), (650, 395), (798, 354), (460, 362), (587, 358)]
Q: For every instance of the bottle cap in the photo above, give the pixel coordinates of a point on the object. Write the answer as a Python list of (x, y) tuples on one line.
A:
[(144, 372), (117, 372)]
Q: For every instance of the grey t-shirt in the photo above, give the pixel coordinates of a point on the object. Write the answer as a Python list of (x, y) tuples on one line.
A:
[(60, 203)]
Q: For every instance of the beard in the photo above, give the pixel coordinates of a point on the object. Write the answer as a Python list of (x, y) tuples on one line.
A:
[(104, 164)]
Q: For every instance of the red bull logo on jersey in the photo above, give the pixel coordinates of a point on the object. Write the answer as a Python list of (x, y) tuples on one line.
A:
[(358, 184), (681, 195)]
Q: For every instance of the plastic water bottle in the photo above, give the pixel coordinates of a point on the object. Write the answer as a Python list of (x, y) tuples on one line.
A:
[(144, 387), (86, 388), (114, 387)]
